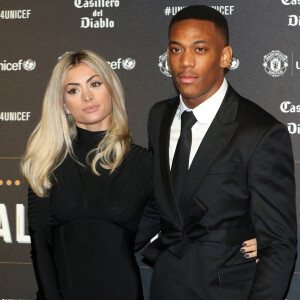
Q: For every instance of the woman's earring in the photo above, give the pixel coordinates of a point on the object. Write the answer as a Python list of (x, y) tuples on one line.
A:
[(67, 112)]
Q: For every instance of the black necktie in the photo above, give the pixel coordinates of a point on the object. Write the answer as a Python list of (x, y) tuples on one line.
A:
[(180, 163)]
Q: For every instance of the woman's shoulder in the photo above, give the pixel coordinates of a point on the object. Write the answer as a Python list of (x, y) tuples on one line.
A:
[(140, 152), (138, 157), (138, 148)]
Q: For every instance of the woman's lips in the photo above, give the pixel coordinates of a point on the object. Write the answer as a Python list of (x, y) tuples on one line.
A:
[(91, 109)]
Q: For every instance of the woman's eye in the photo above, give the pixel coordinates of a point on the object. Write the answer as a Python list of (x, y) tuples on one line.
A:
[(73, 91), (96, 83)]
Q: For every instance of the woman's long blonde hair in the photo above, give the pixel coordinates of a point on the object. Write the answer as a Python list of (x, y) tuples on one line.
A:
[(51, 140)]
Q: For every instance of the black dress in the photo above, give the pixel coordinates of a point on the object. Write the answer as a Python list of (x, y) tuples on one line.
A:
[(83, 234)]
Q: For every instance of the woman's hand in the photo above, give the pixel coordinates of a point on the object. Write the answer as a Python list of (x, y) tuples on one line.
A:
[(249, 249)]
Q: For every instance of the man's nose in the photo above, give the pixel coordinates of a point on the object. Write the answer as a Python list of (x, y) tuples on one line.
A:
[(187, 59)]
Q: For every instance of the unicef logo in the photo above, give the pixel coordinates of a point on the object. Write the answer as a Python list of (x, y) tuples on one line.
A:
[(163, 64), (29, 65), (128, 63), (234, 64), (275, 63)]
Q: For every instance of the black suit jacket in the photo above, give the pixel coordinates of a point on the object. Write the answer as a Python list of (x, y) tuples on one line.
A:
[(240, 185)]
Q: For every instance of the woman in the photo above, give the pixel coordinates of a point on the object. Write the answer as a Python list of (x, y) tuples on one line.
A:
[(89, 185), (93, 183)]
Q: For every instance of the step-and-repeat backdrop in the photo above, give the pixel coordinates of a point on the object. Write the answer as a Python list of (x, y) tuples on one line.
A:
[(132, 36)]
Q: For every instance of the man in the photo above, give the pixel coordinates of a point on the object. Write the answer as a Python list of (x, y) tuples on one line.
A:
[(223, 173)]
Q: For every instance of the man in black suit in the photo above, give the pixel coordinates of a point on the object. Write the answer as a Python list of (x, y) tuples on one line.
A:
[(223, 173)]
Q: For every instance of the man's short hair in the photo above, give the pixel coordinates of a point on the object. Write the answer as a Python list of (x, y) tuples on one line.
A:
[(203, 13)]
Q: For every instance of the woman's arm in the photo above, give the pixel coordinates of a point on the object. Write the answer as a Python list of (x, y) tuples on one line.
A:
[(40, 230), (149, 225)]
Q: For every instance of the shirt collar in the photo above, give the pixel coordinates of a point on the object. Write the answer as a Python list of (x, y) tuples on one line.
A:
[(206, 111)]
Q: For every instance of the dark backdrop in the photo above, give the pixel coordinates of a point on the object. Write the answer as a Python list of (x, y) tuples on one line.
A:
[(132, 36)]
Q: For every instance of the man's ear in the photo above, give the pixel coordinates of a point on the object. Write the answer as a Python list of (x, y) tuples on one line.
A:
[(226, 57)]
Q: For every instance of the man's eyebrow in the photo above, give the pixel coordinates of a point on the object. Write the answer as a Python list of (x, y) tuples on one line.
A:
[(195, 42), (74, 83), (174, 42), (199, 42)]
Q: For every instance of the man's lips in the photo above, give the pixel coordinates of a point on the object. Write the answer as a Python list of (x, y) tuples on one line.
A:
[(187, 78), (91, 108)]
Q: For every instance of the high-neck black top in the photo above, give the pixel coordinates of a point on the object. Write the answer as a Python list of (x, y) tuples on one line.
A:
[(83, 233)]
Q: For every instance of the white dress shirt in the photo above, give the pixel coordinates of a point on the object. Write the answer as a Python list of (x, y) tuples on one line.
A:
[(204, 113)]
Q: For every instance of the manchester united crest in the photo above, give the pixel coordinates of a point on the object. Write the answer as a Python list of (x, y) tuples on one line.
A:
[(275, 63), (163, 64)]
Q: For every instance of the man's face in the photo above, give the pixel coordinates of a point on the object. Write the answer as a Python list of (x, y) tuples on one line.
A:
[(197, 57)]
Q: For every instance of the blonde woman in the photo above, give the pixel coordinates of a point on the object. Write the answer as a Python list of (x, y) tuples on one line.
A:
[(89, 185)]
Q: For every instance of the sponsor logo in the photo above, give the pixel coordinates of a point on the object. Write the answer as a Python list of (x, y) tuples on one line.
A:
[(126, 63), (293, 128), (226, 10), (15, 14), (288, 107), (5, 232), (275, 63), (96, 23), (96, 19), (294, 20), (27, 65), (172, 10), (234, 64), (96, 3), (290, 2), (15, 116), (163, 64), (223, 9)]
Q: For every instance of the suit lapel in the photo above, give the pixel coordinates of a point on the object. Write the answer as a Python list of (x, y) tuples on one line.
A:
[(216, 139), (169, 205)]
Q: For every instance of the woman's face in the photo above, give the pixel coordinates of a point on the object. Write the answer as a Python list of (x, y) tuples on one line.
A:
[(87, 99)]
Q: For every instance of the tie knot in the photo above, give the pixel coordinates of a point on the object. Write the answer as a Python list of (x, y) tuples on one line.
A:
[(187, 120)]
